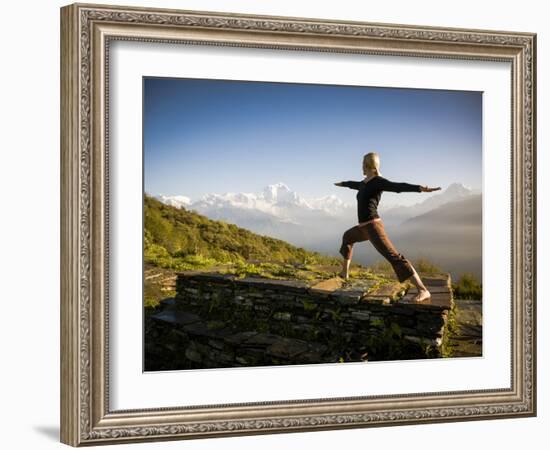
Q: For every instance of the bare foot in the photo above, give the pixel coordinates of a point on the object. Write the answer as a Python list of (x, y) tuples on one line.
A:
[(422, 296), (343, 275)]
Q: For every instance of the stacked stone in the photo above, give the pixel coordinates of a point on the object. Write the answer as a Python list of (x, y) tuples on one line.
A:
[(226, 321), (182, 340)]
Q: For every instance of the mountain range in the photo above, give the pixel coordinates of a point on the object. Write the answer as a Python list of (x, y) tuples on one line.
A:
[(445, 227)]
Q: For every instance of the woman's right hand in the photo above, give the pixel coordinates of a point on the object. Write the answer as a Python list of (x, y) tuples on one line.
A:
[(429, 189)]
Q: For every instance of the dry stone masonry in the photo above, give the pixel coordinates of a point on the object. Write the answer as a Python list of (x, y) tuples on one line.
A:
[(220, 320)]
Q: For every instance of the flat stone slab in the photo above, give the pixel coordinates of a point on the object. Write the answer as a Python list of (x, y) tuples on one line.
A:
[(380, 299), (329, 285), (352, 291), (389, 290), (356, 290), (437, 289), (347, 296), (443, 279), (437, 301), (358, 284)]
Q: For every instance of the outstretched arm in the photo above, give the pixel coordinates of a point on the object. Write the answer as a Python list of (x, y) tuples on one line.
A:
[(391, 186), (387, 185), (349, 184)]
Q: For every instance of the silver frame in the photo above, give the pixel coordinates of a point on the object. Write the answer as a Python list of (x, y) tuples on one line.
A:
[(86, 31)]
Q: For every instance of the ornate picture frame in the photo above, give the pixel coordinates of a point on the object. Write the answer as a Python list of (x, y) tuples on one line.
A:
[(87, 32)]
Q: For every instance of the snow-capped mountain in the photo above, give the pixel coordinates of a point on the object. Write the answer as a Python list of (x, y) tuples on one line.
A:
[(174, 200), (277, 211), (454, 192), (276, 199), (280, 193), (281, 212)]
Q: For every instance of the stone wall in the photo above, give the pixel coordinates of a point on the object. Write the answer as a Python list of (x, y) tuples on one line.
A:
[(220, 320)]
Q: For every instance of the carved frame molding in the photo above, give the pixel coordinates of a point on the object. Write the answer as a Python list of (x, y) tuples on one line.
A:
[(86, 32)]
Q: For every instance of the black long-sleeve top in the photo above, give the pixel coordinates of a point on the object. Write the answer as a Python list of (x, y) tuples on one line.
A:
[(369, 193)]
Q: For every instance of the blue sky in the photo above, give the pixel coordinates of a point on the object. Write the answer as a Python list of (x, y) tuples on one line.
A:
[(205, 136)]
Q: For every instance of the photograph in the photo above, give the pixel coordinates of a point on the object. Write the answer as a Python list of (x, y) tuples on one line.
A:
[(294, 223), (287, 223)]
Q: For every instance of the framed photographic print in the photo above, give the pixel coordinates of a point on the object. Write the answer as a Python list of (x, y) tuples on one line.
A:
[(276, 224)]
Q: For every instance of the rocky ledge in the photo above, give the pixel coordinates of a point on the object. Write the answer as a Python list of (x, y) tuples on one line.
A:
[(222, 320)]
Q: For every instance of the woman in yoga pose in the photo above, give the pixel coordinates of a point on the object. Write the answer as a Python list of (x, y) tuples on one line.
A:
[(371, 227)]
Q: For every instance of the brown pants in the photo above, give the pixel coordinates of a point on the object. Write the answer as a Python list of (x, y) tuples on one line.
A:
[(374, 232)]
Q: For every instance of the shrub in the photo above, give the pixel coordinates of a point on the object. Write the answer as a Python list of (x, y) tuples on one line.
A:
[(467, 286)]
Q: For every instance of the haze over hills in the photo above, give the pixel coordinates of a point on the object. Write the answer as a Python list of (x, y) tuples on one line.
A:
[(445, 227), (399, 214), (449, 235)]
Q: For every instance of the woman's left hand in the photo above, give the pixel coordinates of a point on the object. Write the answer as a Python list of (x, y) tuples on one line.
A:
[(429, 189)]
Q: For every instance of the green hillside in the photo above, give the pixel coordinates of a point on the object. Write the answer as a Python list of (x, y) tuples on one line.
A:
[(179, 239)]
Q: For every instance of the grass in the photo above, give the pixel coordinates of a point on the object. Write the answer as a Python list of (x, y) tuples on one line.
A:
[(155, 290), (425, 266), (270, 270), (452, 330)]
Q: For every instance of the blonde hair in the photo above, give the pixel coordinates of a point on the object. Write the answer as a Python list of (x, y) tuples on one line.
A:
[(372, 160)]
